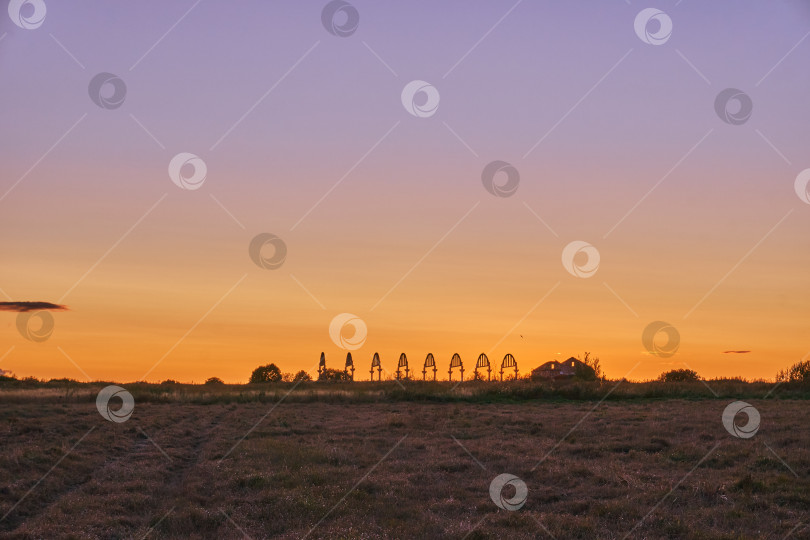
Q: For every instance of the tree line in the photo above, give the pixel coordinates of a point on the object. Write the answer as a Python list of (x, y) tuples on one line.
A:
[(269, 373)]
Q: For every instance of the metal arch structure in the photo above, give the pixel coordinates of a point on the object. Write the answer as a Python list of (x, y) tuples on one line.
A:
[(403, 363), (429, 362), (483, 362), (322, 365), (349, 366), (456, 362), (508, 362), (375, 363)]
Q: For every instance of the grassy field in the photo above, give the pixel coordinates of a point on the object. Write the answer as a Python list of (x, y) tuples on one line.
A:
[(379, 461)]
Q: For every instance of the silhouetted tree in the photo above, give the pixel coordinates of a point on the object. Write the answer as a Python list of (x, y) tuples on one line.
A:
[(798, 372), (214, 380), (268, 373), (302, 376), (593, 363), (679, 375)]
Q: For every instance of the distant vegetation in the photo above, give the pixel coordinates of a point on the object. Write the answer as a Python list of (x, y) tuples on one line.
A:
[(586, 384), (679, 375), (333, 375), (593, 363), (263, 374), (301, 376), (337, 391), (799, 372)]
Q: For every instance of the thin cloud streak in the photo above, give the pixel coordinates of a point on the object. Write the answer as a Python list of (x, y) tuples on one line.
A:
[(24, 307)]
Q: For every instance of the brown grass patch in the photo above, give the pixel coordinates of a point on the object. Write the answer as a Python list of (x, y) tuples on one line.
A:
[(297, 469)]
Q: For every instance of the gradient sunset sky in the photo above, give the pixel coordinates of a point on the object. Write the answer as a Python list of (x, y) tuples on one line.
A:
[(384, 214)]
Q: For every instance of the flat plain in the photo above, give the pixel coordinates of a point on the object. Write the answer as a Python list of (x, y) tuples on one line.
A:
[(334, 467)]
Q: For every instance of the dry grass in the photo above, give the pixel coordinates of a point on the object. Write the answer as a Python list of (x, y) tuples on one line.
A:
[(393, 391), (318, 466)]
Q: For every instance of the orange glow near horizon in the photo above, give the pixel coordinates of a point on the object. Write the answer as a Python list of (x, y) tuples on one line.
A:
[(188, 327)]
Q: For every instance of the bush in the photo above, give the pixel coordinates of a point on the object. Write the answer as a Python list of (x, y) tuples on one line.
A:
[(301, 376), (595, 371), (214, 380), (169, 382), (799, 372), (263, 374), (679, 375), (64, 380), (333, 375)]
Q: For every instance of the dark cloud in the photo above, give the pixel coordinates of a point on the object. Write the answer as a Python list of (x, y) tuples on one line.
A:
[(22, 307), (735, 352)]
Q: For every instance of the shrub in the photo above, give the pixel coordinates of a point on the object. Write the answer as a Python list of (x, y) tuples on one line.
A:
[(333, 375), (214, 380), (301, 376), (799, 372), (593, 363), (169, 381), (263, 374), (679, 375)]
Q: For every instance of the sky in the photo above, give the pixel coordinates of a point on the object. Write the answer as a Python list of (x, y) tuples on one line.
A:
[(609, 126)]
